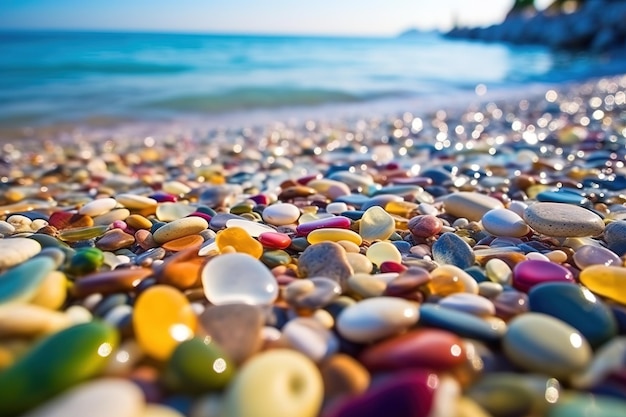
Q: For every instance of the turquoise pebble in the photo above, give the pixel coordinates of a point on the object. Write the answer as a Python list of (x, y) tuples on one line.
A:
[(356, 200), (84, 261), (450, 249), (576, 306), (463, 324), (20, 284), (563, 196), (587, 405)]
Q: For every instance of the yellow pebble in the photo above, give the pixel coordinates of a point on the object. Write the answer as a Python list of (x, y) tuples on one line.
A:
[(349, 246), (333, 235), (380, 252), (240, 240), (52, 292), (162, 318), (137, 221), (607, 281), (557, 256), (450, 279), (401, 208)]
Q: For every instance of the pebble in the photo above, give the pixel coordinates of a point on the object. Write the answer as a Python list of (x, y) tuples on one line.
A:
[(114, 239), (325, 259), (449, 279), (343, 376), (434, 349), (588, 255), (252, 228), (285, 381), (311, 338), (100, 398), (425, 225), (376, 224), (238, 278), (238, 240), (135, 202), (469, 303), (563, 220), (376, 318), (530, 273), (311, 293), (21, 283), (461, 323), (236, 328), (576, 306), (170, 212), (470, 205), (281, 214), (17, 250), (98, 207), (564, 353), (504, 222), (180, 228), (607, 281), (450, 249), (381, 252), (333, 234)]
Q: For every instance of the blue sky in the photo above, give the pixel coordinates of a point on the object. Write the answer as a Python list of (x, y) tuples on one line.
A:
[(332, 17)]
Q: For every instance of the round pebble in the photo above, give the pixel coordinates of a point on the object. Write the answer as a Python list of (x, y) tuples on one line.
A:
[(472, 206), (280, 214), (504, 222), (180, 228), (17, 250)]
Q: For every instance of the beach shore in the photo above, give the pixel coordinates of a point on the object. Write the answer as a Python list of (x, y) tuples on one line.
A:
[(430, 260)]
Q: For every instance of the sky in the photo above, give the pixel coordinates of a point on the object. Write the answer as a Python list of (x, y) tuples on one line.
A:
[(326, 17)]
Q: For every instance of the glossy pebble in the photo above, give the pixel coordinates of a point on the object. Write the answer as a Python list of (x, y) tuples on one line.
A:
[(425, 225), (434, 349), (564, 353), (17, 250), (376, 224), (280, 214), (461, 323), (563, 220), (376, 318), (21, 283), (330, 188), (576, 306), (27, 320), (162, 318), (588, 255), (169, 212), (325, 259), (587, 405), (182, 243), (275, 383), (333, 234), (180, 228), (469, 303), (607, 281), (238, 278), (529, 273), (381, 252), (335, 222), (133, 201), (311, 338), (274, 240), (98, 207), (239, 240), (472, 206), (504, 222), (449, 279)]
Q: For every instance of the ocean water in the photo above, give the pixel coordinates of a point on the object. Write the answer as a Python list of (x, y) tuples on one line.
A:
[(74, 77)]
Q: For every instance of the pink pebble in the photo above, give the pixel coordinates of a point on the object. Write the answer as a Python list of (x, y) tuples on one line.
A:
[(391, 266), (339, 222), (201, 214), (527, 274)]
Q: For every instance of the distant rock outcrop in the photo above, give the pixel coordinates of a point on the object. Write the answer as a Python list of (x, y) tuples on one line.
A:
[(596, 25)]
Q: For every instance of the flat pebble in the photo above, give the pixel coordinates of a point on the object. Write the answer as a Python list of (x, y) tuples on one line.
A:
[(169, 212), (376, 318), (134, 201), (180, 228), (450, 249), (529, 273), (325, 259), (98, 207), (376, 224), (425, 225), (461, 323), (333, 234), (238, 278), (607, 281), (381, 252), (564, 353), (563, 220), (588, 255), (311, 338), (469, 303)]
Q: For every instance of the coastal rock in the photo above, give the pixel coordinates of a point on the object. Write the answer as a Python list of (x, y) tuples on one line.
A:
[(504, 222)]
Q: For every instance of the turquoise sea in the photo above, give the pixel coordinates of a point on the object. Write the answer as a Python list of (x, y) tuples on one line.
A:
[(73, 77)]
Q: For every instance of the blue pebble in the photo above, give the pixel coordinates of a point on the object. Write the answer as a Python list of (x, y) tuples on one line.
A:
[(463, 324), (450, 249)]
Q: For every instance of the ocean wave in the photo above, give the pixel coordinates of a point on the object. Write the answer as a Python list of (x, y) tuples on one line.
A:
[(113, 68), (259, 97)]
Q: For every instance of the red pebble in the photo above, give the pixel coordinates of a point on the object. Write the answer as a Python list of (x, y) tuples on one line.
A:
[(274, 240), (339, 222), (391, 266)]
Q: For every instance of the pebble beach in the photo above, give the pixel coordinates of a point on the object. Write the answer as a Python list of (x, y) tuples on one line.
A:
[(468, 261)]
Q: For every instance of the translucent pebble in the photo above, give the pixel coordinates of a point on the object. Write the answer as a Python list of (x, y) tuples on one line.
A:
[(607, 281), (449, 279), (401, 208), (588, 255), (162, 318), (175, 187), (240, 240), (133, 201), (168, 212), (333, 235), (537, 256), (238, 278), (498, 271), (376, 224), (380, 252)]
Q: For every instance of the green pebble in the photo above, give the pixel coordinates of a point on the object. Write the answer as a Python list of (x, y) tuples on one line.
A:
[(56, 364), (243, 207), (274, 258), (587, 405), (85, 261), (196, 367)]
